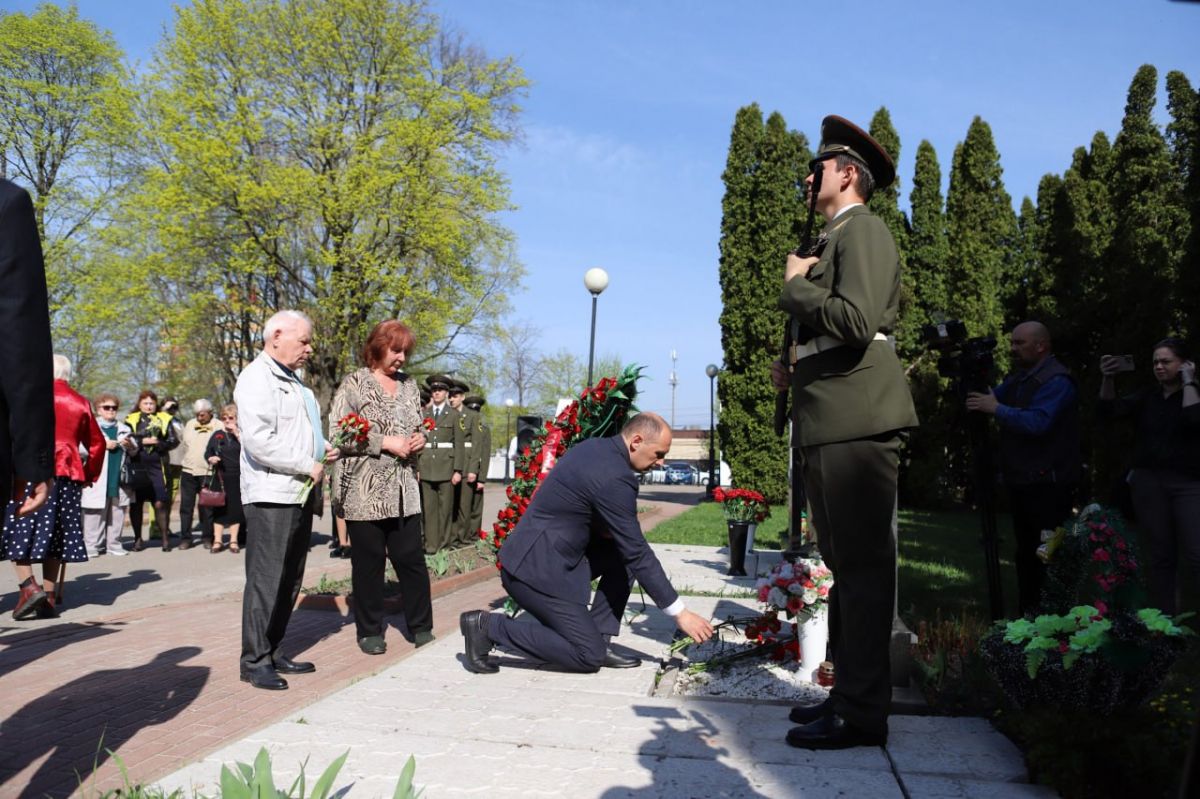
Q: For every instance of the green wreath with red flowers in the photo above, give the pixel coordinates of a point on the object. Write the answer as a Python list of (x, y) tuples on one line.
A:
[(599, 412)]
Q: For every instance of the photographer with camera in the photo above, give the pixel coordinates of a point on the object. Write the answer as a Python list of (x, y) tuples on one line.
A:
[(1165, 478), (1037, 411)]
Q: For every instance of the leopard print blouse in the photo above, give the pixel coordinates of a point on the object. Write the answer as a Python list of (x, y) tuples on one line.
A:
[(367, 483)]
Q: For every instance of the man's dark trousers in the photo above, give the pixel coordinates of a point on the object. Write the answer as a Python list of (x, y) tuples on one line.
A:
[(189, 489), (275, 561), (1035, 507), (570, 635), (851, 486)]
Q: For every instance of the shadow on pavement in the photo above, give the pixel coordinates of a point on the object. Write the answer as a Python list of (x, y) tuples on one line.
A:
[(308, 628), (123, 702), (686, 734), (22, 648), (103, 588)]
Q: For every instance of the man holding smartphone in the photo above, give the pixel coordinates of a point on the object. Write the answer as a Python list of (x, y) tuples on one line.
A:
[(1037, 410)]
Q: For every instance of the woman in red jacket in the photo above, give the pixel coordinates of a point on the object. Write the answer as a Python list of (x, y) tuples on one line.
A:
[(53, 534)]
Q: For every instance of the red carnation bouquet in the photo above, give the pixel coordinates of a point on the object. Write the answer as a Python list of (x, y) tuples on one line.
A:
[(742, 504), (351, 428), (428, 423)]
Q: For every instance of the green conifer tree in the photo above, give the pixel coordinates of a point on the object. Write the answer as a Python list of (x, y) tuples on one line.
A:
[(1141, 267), (1032, 297), (885, 203), (981, 233), (1183, 139), (928, 251), (761, 213), (1075, 234)]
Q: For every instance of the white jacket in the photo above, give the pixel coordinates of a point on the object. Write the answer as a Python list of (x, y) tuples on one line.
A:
[(95, 496), (278, 443)]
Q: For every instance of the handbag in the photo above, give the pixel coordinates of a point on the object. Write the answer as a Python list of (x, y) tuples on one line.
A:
[(210, 496)]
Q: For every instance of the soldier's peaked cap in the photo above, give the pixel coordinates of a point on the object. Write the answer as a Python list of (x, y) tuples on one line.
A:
[(438, 381), (474, 402), (840, 135), (458, 387)]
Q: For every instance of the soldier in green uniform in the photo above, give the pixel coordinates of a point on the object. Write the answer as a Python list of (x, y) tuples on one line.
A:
[(462, 491), (482, 438), (441, 464), (850, 402)]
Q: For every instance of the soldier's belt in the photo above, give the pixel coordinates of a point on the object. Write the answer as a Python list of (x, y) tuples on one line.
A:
[(466, 443), (820, 344), (436, 445)]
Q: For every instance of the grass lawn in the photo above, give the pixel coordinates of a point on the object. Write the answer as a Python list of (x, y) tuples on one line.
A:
[(941, 558), (704, 526)]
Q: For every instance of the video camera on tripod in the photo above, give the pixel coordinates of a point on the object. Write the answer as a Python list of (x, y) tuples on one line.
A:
[(969, 362)]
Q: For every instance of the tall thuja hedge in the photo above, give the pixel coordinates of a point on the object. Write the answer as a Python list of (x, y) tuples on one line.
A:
[(924, 479), (982, 236), (760, 222), (1183, 139), (1141, 265), (885, 204)]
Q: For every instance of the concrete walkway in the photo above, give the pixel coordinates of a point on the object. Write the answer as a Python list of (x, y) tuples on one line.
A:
[(148, 667)]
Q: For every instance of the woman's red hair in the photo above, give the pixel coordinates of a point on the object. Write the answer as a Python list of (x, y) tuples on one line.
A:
[(387, 335)]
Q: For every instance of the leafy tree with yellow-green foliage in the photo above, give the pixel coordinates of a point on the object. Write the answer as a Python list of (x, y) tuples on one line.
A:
[(64, 114), (336, 156)]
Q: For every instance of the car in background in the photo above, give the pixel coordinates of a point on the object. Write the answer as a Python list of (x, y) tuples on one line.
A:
[(723, 477), (652, 476), (681, 474)]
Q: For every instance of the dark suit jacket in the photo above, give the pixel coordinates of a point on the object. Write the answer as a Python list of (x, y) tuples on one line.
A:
[(26, 369), (590, 490), (852, 293)]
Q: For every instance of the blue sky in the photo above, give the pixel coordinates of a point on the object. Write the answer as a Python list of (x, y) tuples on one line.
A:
[(627, 124)]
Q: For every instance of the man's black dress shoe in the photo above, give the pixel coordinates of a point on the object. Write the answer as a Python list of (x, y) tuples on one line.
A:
[(476, 642), (285, 666), (264, 677), (612, 660), (807, 714), (833, 732)]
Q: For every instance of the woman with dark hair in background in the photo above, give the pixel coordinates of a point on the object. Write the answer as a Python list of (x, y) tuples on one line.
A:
[(224, 454), (1165, 478), (155, 435), (376, 486)]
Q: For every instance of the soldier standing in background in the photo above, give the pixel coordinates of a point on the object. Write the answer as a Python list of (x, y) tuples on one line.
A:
[(441, 464), (464, 490), (482, 437)]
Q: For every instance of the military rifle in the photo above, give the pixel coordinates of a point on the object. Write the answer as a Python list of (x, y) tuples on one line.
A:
[(808, 248)]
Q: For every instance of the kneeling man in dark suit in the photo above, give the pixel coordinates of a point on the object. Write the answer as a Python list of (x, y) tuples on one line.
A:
[(582, 524)]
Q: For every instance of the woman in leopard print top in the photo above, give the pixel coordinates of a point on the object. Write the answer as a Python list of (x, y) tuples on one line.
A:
[(376, 485)]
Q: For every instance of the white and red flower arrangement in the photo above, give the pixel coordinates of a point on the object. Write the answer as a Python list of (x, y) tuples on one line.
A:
[(797, 589)]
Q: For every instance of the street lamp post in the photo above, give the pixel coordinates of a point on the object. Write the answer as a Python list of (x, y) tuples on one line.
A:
[(596, 281), (508, 406), (711, 370)]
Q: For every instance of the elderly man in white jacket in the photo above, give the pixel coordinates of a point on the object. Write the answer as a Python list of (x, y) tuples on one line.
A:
[(282, 448)]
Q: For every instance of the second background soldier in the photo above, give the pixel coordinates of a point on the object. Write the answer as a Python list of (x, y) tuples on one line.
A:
[(441, 464)]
